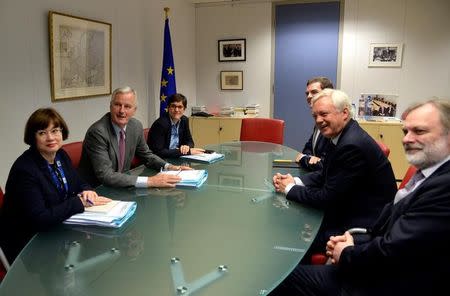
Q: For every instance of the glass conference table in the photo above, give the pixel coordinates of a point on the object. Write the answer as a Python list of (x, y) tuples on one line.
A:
[(232, 236)]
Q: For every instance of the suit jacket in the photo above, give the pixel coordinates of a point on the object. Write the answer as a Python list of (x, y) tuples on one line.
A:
[(160, 133), (99, 162), (320, 150), (352, 188), (409, 243), (33, 202)]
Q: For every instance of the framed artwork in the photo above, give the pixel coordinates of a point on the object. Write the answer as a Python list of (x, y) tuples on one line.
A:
[(373, 104), (80, 57), (231, 50), (385, 55), (231, 80)]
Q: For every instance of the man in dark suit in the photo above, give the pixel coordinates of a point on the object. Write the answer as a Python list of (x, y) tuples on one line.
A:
[(356, 180), (407, 253), (315, 150), (111, 143), (170, 135)]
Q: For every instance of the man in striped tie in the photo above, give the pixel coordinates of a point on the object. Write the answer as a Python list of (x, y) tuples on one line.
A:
[(407, 252)]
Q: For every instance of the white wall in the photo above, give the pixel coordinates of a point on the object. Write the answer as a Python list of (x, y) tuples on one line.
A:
[(137, 38), (423, 28), (137, 52), (251, 21)]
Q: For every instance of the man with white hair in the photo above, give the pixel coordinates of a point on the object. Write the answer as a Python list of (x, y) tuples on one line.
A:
[(356, 180), (407, 252)]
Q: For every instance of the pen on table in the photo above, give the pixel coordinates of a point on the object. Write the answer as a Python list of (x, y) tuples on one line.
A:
[(178, 172), (87, 199)]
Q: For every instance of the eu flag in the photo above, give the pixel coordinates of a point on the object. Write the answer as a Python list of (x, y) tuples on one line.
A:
[(168, 85)]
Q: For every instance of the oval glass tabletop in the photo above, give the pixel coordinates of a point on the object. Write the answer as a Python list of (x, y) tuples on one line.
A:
[(232, 236)]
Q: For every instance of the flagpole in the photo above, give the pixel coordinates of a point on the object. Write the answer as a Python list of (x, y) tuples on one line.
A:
[(168, 83), (166, 10)]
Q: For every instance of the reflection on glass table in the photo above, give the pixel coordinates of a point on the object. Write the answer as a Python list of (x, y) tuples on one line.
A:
[(232, 236)]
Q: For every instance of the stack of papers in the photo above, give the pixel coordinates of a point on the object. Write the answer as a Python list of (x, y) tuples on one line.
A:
[(114, 214), (190, 178), (205, 157)]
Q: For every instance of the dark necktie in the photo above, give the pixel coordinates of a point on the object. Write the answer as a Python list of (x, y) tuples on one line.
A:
[(121, 149), (409, 186)]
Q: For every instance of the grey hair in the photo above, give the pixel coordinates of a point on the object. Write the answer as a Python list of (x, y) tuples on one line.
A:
[(443, 107), (123, 90), (340, 99)]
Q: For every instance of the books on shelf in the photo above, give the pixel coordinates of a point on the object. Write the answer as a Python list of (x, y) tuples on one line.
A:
[(113, 214), (205, 157), (190, 178)]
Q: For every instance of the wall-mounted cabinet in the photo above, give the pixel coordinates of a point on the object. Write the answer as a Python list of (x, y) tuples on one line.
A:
[(214, 130), (391, 134)]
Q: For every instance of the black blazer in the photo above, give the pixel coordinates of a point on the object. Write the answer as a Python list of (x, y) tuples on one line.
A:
[(320, 150), (159, 136), (409, 244), (33, 203), (352, 188)]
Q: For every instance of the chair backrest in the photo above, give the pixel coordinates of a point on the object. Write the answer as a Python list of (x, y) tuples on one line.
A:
[(409, 173), (135, 162), (5, 263), (263, 130), (384, 148), (74, 150)]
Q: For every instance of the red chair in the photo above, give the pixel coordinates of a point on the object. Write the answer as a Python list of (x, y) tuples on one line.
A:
[(384, 148), (5, 264), (409, 173), (136, 161), (74, 150), (262, 130)]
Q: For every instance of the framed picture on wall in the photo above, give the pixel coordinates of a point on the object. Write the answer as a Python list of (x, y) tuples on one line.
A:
[(231, 80), (231, 50), (385, 55), (80, 57)]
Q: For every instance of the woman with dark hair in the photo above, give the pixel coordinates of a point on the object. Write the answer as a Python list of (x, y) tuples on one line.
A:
[(169, 135), (43, 189)]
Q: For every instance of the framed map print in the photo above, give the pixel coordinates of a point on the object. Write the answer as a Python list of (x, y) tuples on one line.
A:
[(80, 57)]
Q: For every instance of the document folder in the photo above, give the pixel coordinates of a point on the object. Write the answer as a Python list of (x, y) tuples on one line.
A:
[(114, 215), (205, 157), (190, 178)]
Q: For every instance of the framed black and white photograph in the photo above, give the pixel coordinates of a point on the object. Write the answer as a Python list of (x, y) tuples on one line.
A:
[(231, 50), (385, 55), (80, 57), (231, 80)]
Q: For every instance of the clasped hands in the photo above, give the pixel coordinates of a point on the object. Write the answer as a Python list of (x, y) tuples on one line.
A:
[(281, 181), (337, 244)]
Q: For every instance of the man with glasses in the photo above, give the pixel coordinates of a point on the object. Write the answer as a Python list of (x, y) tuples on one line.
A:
[(169, 135), (111, 143), (407, 249)]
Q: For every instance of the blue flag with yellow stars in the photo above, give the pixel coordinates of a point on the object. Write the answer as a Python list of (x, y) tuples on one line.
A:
[(168, 85)]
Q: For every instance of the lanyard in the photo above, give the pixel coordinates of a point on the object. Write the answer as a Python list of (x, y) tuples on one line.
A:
[(58, 177)]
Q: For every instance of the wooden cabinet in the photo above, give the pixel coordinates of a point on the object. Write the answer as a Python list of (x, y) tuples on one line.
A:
[(214, 130), (391, 134)]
